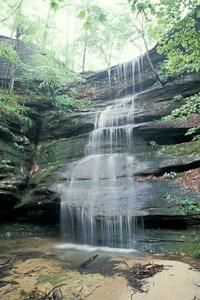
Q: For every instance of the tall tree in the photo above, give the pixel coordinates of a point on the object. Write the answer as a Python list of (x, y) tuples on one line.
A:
[(175, 25), (21, 28), (92, 16)]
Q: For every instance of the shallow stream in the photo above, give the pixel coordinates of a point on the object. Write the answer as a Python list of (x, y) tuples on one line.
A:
[(38, 258)]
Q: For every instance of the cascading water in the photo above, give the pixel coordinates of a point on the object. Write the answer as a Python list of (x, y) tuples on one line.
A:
[(109, 79), (99, 201)]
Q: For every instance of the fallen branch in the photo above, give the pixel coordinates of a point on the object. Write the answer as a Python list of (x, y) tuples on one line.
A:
[(5, 282), (11, 290), (92, 291), (54, 288), (137, 275), (54, 294), (87, 262)]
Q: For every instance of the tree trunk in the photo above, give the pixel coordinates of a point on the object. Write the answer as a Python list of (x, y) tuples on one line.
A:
[(67, 40), (150, 62), (142, 31), (13, 64), (46, 28), (84, 55), (105, 56), (110, 55)]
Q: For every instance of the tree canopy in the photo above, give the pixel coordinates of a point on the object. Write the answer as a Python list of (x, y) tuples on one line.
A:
[(174, 25)]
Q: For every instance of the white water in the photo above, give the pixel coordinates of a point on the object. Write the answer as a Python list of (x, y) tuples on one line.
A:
[(124, 72), (89, 248), (99, 203)]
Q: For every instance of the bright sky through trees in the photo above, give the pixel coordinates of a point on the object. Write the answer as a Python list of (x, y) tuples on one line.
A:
[(108, 43)]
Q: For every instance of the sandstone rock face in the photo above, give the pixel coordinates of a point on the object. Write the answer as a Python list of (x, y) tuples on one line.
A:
[(56, 140), (159, 147), (16, 152)]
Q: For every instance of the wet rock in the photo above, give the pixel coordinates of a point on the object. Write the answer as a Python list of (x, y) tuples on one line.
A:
[(166, 132), (56, 140), (58, 125), (176, 158), (96, 85), (157, 102)]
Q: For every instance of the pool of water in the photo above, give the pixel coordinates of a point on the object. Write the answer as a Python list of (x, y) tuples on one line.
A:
[(153, 241), (37, 257)]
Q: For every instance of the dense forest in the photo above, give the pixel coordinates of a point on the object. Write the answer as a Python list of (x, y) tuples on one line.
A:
[(69, 37), (99, 149)]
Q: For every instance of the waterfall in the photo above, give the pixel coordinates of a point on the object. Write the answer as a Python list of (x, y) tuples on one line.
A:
[(109, 79), (129, 73), (99, 204), (133, 75), (140, 66)]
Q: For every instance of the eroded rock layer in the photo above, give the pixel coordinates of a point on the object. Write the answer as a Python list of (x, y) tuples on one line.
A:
[(33, 159)]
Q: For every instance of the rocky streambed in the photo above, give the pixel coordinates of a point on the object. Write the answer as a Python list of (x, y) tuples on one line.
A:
[(33, 265)]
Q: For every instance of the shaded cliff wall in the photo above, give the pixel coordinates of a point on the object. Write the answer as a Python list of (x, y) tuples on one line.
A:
[(56, 139)]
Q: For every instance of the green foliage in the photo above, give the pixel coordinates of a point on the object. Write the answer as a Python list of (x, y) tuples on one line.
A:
[(175, 25), (69, 104), (153, 144), (106, 31), (178, 98), (91, 15), (189, 207), (170, 175), (50, 72), (12, 104), (182, 47), (55, 4), (6, 162), (193, 247), (20, 147), (196, 138), (64, 103), (192, 105), (6, 51), (194, 131), (169, 197)]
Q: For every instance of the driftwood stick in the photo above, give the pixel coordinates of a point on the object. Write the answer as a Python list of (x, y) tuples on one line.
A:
[(55, 287), (92, 292), (88, 261), (13, 282)]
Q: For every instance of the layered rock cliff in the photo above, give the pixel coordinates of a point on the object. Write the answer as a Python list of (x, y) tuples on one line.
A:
[(33, 159)]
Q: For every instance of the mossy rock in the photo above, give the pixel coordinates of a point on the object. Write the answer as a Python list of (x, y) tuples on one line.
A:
[(7, 135), (53, 155), (57, 152), (182, 149)]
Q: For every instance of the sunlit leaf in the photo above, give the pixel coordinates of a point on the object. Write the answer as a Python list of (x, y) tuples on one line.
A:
[(82, 14), (87, 25)]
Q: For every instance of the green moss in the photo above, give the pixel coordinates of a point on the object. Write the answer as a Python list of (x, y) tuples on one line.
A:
[(59, 151), (19, 157), (12, 107), (192, 248), (182, 149), (26, 200), (44, 175)]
